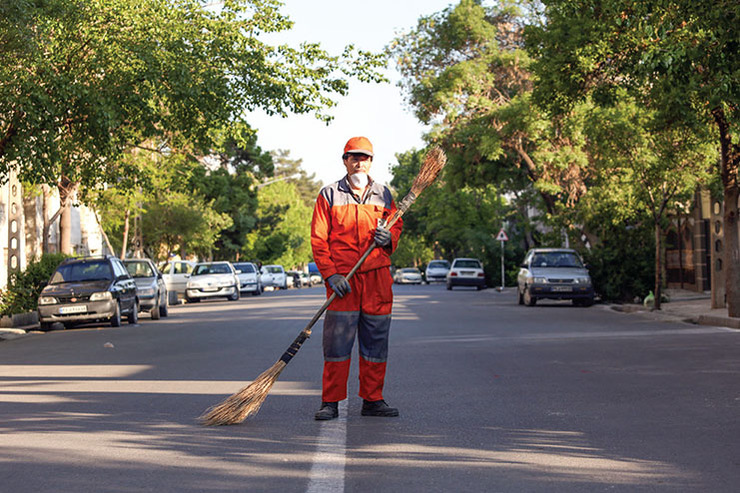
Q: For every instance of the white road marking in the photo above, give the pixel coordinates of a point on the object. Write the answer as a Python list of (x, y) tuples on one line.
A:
[(327, 471)]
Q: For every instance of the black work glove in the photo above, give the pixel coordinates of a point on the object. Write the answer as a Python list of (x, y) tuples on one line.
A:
[(382, 236), (339, 284)]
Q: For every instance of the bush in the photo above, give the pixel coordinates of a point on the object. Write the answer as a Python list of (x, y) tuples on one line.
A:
[(23, 289), (623, 266)]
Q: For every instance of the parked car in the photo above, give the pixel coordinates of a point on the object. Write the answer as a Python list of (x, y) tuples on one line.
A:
[(436, 271), (250, 279), (315, 278), (212, 280), (175, 275), (407, 275), (89, 289), (150, 287), (555, 273), (466, 272), (274, 275), (294, 279), (305, 279), (314, 274)]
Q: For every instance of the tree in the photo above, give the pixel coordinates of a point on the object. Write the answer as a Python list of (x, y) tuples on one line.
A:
[(290, 170), (642, 167), (283, 231), (678, 58), (449, 221), (465, 71), (84, 80)]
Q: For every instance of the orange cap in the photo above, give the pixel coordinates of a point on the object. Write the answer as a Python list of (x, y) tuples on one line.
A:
[(358, 145)]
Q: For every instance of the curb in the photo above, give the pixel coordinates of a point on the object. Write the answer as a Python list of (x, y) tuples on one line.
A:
[(732, 323)]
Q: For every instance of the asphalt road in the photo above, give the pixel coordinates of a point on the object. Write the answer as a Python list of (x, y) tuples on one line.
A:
[(493, 397)]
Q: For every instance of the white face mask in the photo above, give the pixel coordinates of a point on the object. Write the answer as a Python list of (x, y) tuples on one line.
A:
[(358, 180)]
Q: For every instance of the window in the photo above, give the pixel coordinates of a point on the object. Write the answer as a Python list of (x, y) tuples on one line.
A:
[(82, 271), (139, 269), (182, 268), (245, 268), (467, 264)]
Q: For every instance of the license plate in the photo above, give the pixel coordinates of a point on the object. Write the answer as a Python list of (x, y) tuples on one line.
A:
[(210, 290), (467, 272), (73, 309), (562, 289)]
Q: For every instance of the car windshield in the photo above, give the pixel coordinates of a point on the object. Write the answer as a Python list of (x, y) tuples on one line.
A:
[(82, 271), (410, 271), (556, 259), (439, 264), (139, 269), (274, 270), (245, 268), (467, 264), (202, 270)]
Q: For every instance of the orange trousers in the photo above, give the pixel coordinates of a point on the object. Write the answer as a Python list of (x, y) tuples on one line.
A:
[(365, 314)]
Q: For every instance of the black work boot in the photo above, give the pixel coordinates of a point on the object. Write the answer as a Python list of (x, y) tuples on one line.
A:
[(378, 408), (329, 410)]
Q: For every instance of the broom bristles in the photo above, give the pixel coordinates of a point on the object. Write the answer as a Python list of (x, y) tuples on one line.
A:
[(238, 407), (433, 163)]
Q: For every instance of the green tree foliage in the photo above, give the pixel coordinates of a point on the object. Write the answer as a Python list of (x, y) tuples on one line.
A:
[(283, 231), (82, 81), (679, 58), (450, 221), (23, 290), (465, 71), (290, 170), (177, 222)]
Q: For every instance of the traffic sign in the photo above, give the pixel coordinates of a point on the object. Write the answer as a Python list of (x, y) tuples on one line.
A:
[(502, 235)]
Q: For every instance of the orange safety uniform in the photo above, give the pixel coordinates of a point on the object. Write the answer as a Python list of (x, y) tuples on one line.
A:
[(341, 231)]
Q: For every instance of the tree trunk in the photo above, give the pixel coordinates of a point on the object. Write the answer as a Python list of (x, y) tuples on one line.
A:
[(125, 234), (65, 229), (67, 189), (730, 160), (658, 265), (46, 228)]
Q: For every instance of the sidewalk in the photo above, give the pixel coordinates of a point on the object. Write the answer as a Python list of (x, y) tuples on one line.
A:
[(686, 306)]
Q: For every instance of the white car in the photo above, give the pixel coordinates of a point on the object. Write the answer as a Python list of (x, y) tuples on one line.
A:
[(466, 272), (212, 280), (437, 271), (408, 275), (274, 275), (175, 274), (250, 278)]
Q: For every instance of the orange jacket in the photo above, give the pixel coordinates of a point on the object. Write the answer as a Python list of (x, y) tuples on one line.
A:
[(342, 228)]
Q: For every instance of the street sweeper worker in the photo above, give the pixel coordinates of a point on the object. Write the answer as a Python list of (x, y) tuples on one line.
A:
[(348, 217)]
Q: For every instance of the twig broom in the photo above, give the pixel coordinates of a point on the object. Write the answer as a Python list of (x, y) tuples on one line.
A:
[(238, 407)]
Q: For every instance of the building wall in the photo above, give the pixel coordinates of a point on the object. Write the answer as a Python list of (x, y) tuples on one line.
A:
[(86, 236)]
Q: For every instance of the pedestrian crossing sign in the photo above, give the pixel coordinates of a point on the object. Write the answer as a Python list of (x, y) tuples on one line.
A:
[(502, 235)]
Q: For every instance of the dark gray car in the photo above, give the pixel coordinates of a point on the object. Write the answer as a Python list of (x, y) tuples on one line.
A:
[(89, 289), (150, 286), (554, 273)]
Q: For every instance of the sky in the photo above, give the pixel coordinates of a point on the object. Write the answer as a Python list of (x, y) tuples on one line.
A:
[(377, 111)]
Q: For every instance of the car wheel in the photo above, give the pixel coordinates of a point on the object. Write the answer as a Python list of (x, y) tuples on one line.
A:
[(154, 312), (163, 311), (449, 287), (519, 295), (172, 297), (46, 326), (529, 300), (235, 296), (583, 301), (133, 317), (115, 320)]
